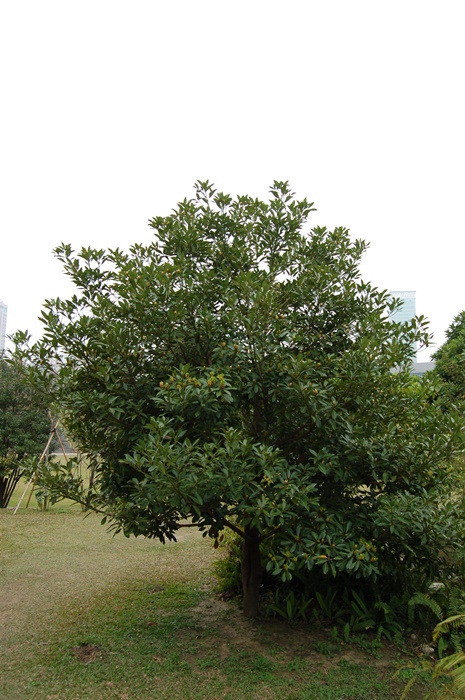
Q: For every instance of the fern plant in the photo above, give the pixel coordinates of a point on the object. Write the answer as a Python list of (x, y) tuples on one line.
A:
[(452, 666), (448, 603), (426, 601), (449, 671)]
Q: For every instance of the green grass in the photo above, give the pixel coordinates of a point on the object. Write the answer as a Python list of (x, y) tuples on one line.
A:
[(89, 616), (29, 501)]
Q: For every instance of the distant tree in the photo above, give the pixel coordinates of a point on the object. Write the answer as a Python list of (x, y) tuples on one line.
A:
[(236, 373), (450, 362), (24, 425)]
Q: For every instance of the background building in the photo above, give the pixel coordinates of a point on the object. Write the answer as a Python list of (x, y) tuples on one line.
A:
[(407, 311), (419, 368), (3, 312)]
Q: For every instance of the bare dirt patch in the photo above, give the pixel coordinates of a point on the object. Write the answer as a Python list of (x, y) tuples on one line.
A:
[(87, 653)]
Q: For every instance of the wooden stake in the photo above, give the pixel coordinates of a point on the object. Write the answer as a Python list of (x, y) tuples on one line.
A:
[(42, 457)]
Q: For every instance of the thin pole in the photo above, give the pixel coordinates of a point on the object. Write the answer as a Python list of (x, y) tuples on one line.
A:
[(42, 457)]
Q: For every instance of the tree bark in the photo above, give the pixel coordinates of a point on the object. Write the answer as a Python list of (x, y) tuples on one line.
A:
[(252, 572), (8, 484)]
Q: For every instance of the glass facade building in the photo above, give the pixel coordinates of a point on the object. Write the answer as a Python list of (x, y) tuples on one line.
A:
[(407, 311), (3, 312)]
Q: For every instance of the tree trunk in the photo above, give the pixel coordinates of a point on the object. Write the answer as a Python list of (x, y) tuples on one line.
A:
[(251, 572), (8, 485)]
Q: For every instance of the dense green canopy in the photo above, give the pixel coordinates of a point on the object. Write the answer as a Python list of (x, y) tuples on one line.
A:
[(450, 363), (236, 372), (24, 426)]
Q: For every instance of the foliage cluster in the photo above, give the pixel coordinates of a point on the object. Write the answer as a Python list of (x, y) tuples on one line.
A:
[(351, 606), (237, 373), (450, 364), (24, 425), (447, 675)]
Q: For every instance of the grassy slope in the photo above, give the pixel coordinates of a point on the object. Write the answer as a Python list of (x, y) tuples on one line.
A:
[(85, 615)]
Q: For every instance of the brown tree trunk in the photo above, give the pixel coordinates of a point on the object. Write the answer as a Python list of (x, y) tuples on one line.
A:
[(251, 572)]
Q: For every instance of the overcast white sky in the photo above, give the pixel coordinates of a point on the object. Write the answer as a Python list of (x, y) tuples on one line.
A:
[(111, 110)]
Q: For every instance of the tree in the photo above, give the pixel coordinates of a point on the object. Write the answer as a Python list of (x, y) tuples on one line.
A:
[(24, 425), (237, 373), (450, 362)]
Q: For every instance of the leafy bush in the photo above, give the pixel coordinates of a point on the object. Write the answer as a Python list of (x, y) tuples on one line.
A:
[(237, 374), (228, 568), (25, 425)]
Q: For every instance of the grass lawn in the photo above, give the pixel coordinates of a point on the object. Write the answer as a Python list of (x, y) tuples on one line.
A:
[(25, 495), (84, 615)]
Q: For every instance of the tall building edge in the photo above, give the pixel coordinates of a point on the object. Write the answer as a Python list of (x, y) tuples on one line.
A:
[(3, 314), (407, 311)]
